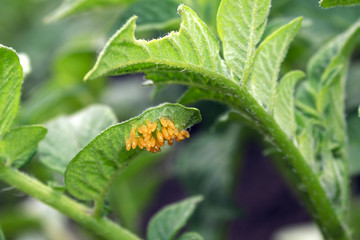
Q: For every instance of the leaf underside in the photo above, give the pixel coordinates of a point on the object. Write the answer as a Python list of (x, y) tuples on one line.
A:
[(192, 50), (90, 173)]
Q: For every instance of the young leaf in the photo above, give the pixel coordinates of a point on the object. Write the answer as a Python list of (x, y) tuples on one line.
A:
[(72, 7), (166, 223), (268, 59), (190, 236), (329, 66), (193, 48), (284, 109), (338, 48), (240, 26), (67, 135), (338, 3), (11, 77), (20, 144), (90, 173)]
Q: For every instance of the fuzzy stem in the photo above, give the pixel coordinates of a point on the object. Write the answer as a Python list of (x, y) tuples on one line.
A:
[(76, 211), (319, 204)]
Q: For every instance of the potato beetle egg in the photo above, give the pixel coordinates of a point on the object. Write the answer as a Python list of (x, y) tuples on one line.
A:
[(153, 138)]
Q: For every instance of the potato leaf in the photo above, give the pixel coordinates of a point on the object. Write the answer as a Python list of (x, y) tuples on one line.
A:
[(20, 144), (11, 77), (193, 49), (67, 135), (325, 92), (268, 59), (166, 223), (191, 57), (240, 25), (89, 175)]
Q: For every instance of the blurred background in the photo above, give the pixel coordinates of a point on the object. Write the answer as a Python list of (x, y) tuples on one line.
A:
[(246, 197)]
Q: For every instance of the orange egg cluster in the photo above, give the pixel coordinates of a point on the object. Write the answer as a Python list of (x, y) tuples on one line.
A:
[(151, 140)]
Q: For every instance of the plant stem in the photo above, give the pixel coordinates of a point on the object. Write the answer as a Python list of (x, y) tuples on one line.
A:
[(78, 212), (319, 204)]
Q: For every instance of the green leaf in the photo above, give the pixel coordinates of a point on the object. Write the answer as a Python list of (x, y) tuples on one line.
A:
[(19, 145), (67, 135), (240, 26), (325, 94), (72, 7), (329, 67), (11, 77), (190, 236), (338, 3), (337, 49), (268, 59), (166, 223), (193, 50), (284, 109), (90, 173)]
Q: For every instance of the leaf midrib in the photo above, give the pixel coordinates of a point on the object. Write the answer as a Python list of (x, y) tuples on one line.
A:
[(250, 49), (172, 65)]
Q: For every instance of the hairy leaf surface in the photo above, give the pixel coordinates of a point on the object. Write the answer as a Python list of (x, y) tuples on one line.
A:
[(11, 77), (325, 97), (268, 59), (256, 102), (67, 135), (166, 223), (193, 49), (20, 144), (240, 25), (90, 173)]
